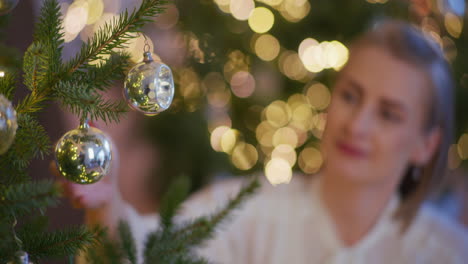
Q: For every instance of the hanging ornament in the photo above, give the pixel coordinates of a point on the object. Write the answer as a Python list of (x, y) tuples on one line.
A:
[(8, 124), (149, 86), (21, 257), (83, 155), (7, 5)]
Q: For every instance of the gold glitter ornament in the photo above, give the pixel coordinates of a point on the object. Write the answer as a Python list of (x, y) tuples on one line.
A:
[(83, 155)]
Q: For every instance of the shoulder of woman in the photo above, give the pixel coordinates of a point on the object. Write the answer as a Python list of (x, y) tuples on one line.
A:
[(216, 195), (441, 234)]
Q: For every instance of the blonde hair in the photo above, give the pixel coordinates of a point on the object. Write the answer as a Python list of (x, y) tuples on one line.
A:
[(409, 44)]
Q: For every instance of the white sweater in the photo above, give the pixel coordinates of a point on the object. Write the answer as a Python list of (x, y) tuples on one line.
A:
[(287, 224)]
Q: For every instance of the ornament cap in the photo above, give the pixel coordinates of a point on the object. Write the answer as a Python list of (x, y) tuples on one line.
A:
[(147, 57), (84, 125)]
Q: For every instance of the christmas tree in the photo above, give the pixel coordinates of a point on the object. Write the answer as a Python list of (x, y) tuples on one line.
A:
[(77, 85), (259, 77)]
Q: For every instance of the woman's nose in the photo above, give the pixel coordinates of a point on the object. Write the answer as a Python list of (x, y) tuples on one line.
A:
[(359, 123)]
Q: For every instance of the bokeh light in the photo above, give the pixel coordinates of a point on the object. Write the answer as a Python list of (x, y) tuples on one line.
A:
[(463, 146), (218, 95), (261, 20), (242, 84), (229, 140), (291, 65), (285, 152), (169, 18), (75, 20), (278, 113), (95, 11), (453, 24), (318, 96), (267, 47), (310, 160), (264, 133), (454, 160), (294, 10), (241, 9), (278, 171), (216, 136), (244, 156), (285, 135)]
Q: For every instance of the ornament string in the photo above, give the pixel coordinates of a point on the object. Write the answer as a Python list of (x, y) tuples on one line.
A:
[(147, 47), (17, 239)]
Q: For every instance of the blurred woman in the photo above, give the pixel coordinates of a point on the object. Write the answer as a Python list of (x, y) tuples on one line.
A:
[(385, 145)]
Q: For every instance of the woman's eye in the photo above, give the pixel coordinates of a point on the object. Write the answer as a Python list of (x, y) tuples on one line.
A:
[(348, 96), (389, 115)]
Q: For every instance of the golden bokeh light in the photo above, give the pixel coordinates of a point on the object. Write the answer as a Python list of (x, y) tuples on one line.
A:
[(216, 136), (217, 93), (169, 18), (291, 65), (241, 9), (261, 20), (454, 160), (224, 5), (285, 135), (278, 171), (264, 133), (318, 124), (229, 140), (244, 156), (318, 56), (294, 10), (272, 3), (242, 84), (453, 24), (267, 47), (318, 96), (285, 152), (278, 113), (302, 117), (95, 11), (463, 146), (75, 20), (310, 160)]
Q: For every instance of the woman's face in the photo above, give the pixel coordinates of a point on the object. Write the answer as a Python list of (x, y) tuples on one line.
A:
[(376, 118)]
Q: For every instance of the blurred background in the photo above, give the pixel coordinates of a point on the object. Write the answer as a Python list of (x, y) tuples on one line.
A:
[(253, 83)]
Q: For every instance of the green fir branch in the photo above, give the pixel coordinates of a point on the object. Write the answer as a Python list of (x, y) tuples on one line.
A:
[(175, 195), (57, 243), (7, 86), (115, 35), (127, 242), (21, 199), (35, 66), (31, 141), (83, 102), (178, 243), (49, 32), (102, 76)]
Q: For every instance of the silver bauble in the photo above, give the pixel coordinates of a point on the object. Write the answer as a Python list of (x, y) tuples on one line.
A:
[(83, 155), (149, 86), (7, 5), (8, 124)]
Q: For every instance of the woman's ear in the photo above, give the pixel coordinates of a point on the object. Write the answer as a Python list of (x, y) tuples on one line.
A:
[(427, 146)]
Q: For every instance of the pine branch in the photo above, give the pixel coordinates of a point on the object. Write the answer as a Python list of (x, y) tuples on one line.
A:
[(57, 243), (101, 76), (162, 244), (21, 199), (31, 141), (84, 102), (202, 229), (175, 195), (35, 67), (127, 241), (49, 32), (115, 34), (7, 86)]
